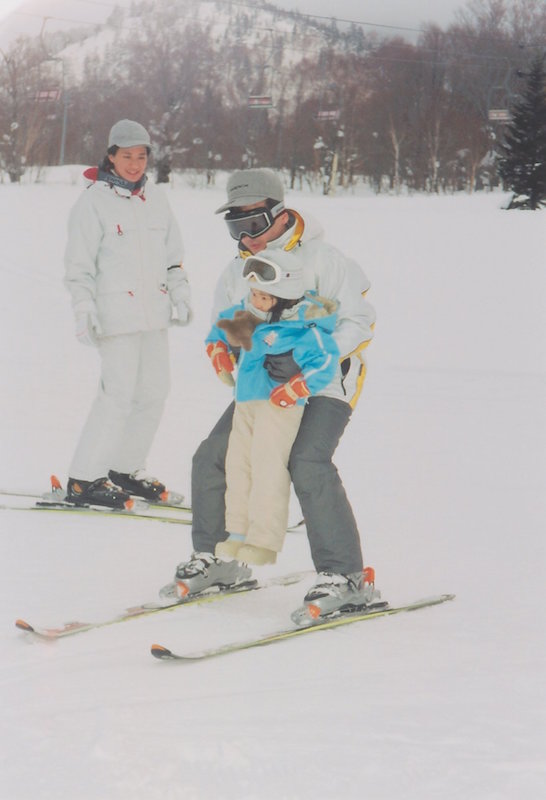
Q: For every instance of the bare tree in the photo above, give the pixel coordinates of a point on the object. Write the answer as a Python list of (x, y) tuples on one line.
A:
[(26, 104), (335, 106)]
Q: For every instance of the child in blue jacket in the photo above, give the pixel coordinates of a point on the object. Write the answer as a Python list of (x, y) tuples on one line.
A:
[(276, 317)]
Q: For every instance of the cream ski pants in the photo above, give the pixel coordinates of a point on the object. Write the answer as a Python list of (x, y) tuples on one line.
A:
[(257, 477), (332, 531), (122, 423)]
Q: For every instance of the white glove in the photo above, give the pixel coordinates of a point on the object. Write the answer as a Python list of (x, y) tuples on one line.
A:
[(87, 328), (183, 314), (179, 292)]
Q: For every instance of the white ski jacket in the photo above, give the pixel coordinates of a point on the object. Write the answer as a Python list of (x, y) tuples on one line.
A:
[(330, 274), (119, 259)]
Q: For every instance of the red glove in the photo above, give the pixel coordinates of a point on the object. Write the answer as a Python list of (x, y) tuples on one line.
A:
[(287, 394), (222, 361)]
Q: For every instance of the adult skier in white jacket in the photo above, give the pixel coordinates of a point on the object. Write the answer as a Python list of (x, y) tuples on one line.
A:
[(257, 219), (125, 275)]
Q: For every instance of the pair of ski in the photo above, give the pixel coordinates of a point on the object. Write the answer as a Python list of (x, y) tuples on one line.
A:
[(170, 512), (55, 500), (378, 609)]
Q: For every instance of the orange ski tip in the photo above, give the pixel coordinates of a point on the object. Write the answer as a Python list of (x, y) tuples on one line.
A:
[(313, 611), (369, 574), (24, 626), (183, 590), (55, 482), (159, 647), (129, 504)]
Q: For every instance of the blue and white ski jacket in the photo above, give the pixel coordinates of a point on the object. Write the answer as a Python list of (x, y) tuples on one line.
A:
[(305, 329), (332, 275)]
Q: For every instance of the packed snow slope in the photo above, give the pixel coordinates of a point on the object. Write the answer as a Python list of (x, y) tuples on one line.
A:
[(444, 462)]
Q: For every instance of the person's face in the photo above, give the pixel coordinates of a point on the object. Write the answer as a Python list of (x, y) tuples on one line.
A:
[(259, 243), (262, 300), (130, 162)]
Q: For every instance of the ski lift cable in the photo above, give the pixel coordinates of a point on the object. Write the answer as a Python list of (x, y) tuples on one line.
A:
[(243, 5), (291, 13), (52, 17), (291, 48)]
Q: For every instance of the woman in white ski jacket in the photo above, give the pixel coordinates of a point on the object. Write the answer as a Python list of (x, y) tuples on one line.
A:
[(125, 275)]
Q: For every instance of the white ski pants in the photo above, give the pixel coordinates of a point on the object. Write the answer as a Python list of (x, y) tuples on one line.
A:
[(257, 477), (122, 423)]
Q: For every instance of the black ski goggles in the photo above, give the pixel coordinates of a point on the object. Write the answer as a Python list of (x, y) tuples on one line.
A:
[(251, 223)]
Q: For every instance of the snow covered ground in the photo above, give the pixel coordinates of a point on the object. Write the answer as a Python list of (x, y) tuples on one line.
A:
[(445, 464)]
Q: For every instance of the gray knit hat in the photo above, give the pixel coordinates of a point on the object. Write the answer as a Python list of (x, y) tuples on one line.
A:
[(290, 286), (248, 186), (127, 133)]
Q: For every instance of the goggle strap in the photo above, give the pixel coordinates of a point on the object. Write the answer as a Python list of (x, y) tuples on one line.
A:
[(276, 210)]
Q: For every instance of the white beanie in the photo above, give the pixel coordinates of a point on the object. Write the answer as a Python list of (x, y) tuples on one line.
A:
[(290, 286), (127, 133)]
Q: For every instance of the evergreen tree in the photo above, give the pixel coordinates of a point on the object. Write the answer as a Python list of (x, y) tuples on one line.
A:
[(523, 165)]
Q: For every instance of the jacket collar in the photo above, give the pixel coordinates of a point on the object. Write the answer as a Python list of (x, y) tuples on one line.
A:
[(128, 188)]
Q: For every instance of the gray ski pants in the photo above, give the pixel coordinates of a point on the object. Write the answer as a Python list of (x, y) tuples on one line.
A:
[(331, 527)]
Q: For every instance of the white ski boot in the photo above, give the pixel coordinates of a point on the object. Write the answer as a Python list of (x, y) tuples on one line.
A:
[(333, 594), (204, 571)]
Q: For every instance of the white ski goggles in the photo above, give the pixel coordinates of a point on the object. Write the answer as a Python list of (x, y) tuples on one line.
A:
[(262, 271)]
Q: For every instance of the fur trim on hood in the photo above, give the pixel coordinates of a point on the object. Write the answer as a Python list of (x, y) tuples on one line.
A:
[(319, 307)]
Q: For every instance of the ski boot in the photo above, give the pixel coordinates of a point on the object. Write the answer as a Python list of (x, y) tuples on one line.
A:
[(333, 594), (100, 492), (140, 485), (204, 571)]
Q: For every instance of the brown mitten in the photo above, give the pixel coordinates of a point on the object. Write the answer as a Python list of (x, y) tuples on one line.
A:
[(239, 330)]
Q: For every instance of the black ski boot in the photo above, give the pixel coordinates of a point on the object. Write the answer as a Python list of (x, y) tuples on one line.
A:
[(101, 492), (140, 485)]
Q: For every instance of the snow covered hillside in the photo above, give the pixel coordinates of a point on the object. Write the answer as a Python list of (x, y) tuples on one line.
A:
[(445, 464)]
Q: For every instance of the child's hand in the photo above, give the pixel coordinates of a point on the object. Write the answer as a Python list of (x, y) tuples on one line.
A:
[(221, 361), (287, 394)]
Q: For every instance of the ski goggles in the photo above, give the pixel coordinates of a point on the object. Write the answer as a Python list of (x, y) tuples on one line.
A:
[(251, 223), (263, 271)]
